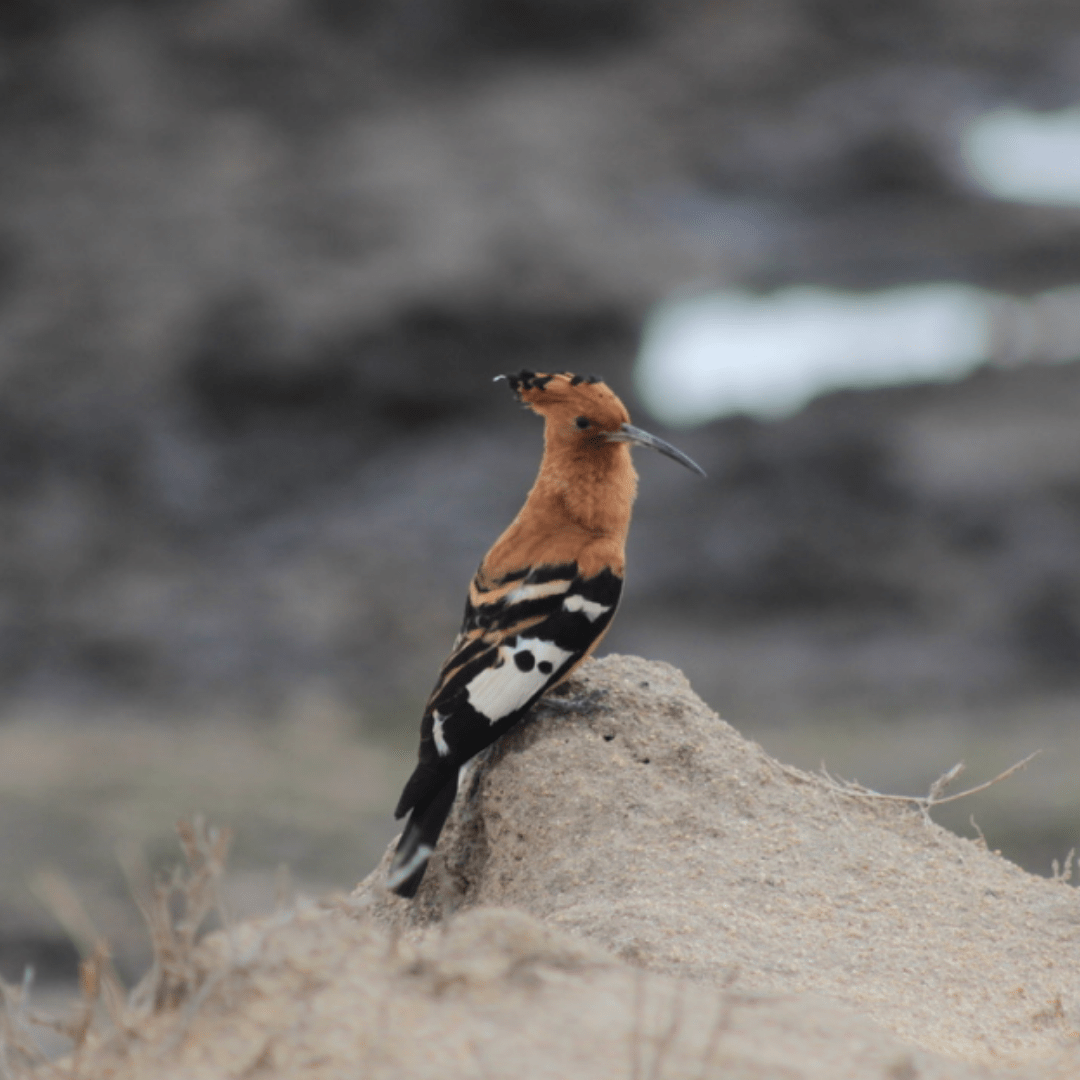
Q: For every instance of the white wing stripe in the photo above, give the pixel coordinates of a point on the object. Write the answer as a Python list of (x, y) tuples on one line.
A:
[(441, 744), (498, 691), (538, 592), (589, 608), (420, 858)]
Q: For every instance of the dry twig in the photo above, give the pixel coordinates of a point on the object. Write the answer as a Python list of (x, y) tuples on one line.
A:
[(934, 797), (173, 976), (19, 1051), (1064, 873)]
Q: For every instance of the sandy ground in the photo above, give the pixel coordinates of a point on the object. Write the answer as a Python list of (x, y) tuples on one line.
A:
[(635, 890)]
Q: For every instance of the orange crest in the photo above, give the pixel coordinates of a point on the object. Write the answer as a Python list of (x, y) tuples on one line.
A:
[(572, 402)]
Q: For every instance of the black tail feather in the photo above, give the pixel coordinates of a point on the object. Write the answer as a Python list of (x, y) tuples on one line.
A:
[(418, 841)]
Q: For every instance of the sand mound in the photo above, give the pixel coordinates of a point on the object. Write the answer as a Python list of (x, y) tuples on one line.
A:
[(654, 829), (685, 906), (495, 994)]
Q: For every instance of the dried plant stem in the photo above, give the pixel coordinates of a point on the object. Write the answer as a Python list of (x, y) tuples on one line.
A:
[(934, 797)]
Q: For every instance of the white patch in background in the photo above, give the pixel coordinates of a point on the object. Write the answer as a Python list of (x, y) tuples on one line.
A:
[(441, 745), (497, 692), (731, 352), (590, 608), (1026, 156)]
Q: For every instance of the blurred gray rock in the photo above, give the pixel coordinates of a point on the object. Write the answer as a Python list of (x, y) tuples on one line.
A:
[(258, 264)]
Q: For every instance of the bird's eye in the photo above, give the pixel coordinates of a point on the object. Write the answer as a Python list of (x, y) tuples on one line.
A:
[(583, 422)]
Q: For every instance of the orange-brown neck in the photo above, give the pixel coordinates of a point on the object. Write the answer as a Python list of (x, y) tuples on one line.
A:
[(592, 484), (577, 511)]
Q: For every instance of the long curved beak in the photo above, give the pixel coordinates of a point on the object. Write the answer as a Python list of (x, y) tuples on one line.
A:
[(629, 433)]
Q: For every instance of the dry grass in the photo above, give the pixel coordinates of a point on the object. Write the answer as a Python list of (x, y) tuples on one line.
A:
[(176, 908), (348, 985), (924, 803), (308, 792), (1031, 820)]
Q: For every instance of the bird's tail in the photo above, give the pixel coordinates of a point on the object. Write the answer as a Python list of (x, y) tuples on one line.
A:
[(418, 841)]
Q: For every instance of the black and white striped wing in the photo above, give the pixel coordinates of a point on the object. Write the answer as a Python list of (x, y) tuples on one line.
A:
[(509, 652)]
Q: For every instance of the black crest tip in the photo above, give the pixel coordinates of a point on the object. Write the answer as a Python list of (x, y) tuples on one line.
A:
[(530, 380), (525, 380)]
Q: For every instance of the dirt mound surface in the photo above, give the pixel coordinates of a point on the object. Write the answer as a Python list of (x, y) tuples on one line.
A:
[(651, 827), (684, 906)]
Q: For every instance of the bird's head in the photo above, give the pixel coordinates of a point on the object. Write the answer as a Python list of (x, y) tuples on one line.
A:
[(582, 413)]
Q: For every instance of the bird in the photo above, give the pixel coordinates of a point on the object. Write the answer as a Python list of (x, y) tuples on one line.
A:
[(541, 601)]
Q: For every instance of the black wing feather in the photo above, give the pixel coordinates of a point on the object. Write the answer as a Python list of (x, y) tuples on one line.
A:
[(560, 626), (489, 631)]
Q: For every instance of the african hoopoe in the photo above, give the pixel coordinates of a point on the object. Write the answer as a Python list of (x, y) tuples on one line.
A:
[(541, 601)]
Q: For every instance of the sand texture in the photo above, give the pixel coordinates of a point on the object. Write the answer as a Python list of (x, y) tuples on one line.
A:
[(634, 890)]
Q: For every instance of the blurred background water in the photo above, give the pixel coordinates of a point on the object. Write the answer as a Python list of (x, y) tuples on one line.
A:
[(259, 262)]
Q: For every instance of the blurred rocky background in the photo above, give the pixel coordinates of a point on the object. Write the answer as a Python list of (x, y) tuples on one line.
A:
[(259, 262)]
